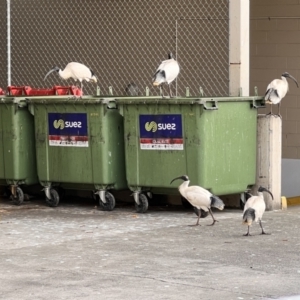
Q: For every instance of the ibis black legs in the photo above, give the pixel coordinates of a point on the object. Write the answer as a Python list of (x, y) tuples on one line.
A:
[(162, 90), (262, 230), (248, 232), (271, 113), (214, 220), (199, 214)]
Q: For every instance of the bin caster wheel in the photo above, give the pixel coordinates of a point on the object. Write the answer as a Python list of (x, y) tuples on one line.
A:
[(203, 213), (110, 203), (18, 200), (53, 202), (185, 203), (143, 206)]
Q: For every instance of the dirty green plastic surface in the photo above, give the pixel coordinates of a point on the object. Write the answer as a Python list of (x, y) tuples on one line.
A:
[(100, 165), (219, 140), (17, 145)]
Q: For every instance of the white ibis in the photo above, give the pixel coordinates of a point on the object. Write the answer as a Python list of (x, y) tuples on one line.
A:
[(167, 72), (277, 90), (199, 198), (254, 209), (76, 71)]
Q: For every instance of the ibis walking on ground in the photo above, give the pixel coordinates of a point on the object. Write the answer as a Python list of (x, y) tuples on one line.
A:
[(199, 197), (277, 90), (75, 70), (167, 72), (254, 209)]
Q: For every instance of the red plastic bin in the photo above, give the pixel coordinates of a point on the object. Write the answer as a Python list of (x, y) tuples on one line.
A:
[(56, 90)]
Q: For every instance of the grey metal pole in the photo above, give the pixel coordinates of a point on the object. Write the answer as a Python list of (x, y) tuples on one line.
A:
[(239, 15), (8, 45)]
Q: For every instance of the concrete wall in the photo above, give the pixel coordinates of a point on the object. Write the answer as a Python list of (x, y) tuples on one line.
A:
[(275, 48)]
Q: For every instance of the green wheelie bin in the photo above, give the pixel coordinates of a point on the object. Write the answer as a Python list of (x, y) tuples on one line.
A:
[(212, 140), (79, 146), (17, 147)]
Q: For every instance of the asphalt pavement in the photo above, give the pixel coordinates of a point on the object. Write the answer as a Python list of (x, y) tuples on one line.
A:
[(76, 251)]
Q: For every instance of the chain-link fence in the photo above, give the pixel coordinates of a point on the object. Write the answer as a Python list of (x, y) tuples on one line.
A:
[(122, 41)]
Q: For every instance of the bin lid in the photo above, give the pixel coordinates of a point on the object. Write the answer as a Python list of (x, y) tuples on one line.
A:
[(19, 101), (84, 100), (207, 102)]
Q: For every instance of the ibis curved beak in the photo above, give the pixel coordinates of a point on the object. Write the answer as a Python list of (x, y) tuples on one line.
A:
[(176, 179), (94, 78), (183, 177), (54, 69), (293, 78), (264, 189)]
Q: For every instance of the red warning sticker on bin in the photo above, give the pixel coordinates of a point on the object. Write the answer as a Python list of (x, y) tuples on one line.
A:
[(161, 132), (68, 129)]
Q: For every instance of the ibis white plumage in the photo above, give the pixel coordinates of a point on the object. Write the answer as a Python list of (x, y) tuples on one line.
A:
[(75, 70), (277, 90), (254, 209), (167, 72), (199, 197)]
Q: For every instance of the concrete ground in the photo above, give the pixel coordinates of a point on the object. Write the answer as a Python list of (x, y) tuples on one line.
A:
[(76, 251)]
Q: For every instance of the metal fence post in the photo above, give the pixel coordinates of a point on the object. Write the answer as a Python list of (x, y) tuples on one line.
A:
[(239, 14)]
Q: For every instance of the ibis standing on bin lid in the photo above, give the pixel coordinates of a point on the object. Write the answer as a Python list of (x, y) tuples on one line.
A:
[(199, 198), (75, 70), (167, 72), (254, 209), (277, 90)]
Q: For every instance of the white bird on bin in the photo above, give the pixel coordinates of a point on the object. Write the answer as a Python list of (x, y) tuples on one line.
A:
[(277, 90), (167, 72), (199, 197), (254, 209), (75, 70)]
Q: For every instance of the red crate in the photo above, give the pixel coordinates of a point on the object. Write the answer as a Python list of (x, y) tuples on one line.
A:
[(61, 90), (56, 90), (29, 91), (15, 90), (75, 90)]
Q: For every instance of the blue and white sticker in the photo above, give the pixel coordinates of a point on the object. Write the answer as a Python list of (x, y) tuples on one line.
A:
[(161, 132), (68, 129)]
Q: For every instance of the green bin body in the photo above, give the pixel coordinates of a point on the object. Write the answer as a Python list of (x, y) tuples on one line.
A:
[(79, 143), (17, 146), (214, 143)]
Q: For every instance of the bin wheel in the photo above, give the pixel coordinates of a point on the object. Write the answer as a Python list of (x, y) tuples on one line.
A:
[(143, 206), (244, 197), (203, 213), (110, 202), (185, 203), (53, 202), (18, 200), (61, 192)]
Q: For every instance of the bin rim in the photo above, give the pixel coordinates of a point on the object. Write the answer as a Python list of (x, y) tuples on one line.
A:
[(13, 100), (255, 101), (84, 100)]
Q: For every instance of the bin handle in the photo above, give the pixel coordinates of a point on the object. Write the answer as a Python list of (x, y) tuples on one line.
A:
[(214, 105), (257, 104), (111, 103)]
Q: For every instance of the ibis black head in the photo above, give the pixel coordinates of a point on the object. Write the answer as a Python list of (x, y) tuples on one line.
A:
[(52, 70), (288, 75), (262, 189), (170, 55), (183, 177)]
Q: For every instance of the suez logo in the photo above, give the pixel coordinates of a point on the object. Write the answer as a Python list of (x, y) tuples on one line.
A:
[(153, 126), (61, 124)]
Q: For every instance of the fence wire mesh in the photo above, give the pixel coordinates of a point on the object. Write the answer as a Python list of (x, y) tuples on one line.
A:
[(122, 41)]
